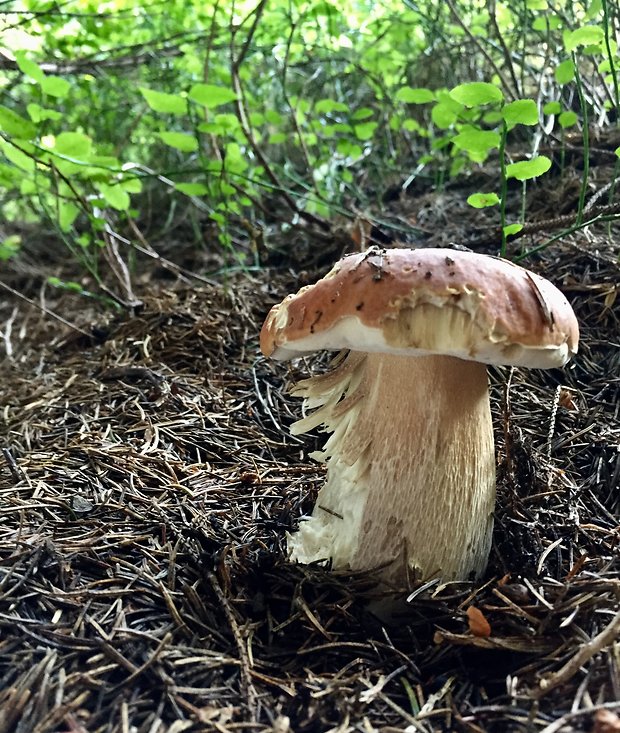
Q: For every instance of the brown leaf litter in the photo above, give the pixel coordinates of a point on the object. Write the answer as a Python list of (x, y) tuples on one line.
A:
[(147, 483)]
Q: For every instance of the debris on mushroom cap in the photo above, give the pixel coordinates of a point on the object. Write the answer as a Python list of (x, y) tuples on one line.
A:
[(424, 301)]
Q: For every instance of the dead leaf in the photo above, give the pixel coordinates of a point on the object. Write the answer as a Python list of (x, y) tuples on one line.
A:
[(566, 399), (478, 625)]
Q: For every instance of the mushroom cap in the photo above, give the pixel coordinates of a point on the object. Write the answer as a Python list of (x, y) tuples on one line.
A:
[(427, 301)]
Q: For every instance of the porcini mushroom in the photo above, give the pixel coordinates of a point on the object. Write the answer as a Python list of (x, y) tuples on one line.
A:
[(410, 461)]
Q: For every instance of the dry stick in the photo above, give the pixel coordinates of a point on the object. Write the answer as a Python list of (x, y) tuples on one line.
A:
[(250, 692), (480, 47), (606, 637), (561, 723), (45, 310), (558, 222), (240, 109), (300, 137), (147, 249), (505, 50)]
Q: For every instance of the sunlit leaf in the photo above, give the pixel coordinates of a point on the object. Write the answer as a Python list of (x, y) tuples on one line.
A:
[(163, 102), (210, 95), (73, 145), (587, 35), (15, 125), (38, 113), (476, 93), (55, 86), (28, 67), (365, 131), (474, 140), (192, 189), (567, 119), (114, 196), (526, 169), (415, 95), (362, 114), (482, 200), (14, 151), (179, 140), (565, 72), (520, 112), (552, 108), (443, 115), (67, 214), (9, 246)]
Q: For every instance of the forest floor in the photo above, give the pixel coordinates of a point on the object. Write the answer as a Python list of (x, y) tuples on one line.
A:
[(147, 483)]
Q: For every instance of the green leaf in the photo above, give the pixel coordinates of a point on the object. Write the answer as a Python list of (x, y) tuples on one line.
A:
[(565, 72), (15, 125), (179, 140), (415, 95), (211, 128), (28, 67), (38, 113), (443, 115), (67, 214), (476, 93), (552, 22), (114, 196), (617, 152), (73, 145), (325, 106), (210, 95), (349, 149), (162, 102), (520, 112), (55, 86), (365, 131), (16, 156), (594, 9), (10, 246), (587, 35), (277, 137), (567, 119), (482, 200), (192, 189), (552, 108), (512, 229), (273, 117), (476, 141), (526, 169), (131, 185), (362, 114), (412, 125)]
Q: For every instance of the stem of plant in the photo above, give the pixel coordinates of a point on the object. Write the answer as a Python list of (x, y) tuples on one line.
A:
[(586, 142), (610, 56), (504, 185)]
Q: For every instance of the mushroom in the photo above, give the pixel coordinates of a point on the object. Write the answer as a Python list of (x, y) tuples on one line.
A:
[(410, 460)]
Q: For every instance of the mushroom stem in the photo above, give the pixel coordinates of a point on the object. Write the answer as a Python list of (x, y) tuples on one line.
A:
[(411, 467)]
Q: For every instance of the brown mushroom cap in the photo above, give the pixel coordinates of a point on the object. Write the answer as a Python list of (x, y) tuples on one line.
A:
[(427, 301)]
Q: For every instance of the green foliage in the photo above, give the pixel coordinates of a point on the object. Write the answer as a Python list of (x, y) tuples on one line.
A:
[(219, 106), (482, 200), (524, 170)]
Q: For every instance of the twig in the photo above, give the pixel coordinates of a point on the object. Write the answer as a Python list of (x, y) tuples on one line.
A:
[(246, 678), (607, 636), (480, 47), (242, 116), (45, 310)]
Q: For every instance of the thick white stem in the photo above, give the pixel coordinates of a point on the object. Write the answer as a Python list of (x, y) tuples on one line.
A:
[(411, 467)]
